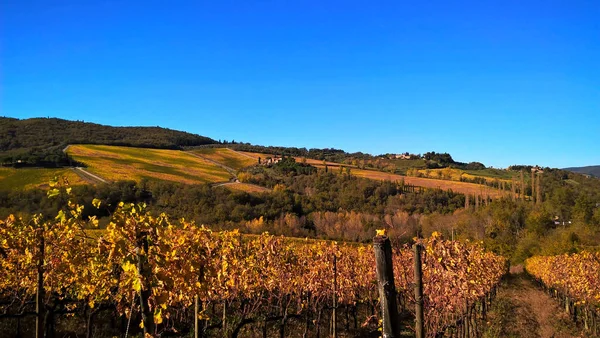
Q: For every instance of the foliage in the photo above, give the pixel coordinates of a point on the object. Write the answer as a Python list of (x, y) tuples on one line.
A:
[(163, 265), (574, 275)]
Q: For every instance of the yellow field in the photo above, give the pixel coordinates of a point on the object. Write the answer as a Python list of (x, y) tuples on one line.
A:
[(28, 178), (460, 187), (126, 163), (226, 156)]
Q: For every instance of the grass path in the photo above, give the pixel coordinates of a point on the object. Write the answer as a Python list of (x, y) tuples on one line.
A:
[(521, 309)]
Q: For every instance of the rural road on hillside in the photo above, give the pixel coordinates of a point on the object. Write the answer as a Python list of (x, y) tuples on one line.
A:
[(86, 174)]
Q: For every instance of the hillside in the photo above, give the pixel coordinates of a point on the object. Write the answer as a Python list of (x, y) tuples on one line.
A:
[(28, 178), (593, 170), (40, 141), (113, 163), (431, 183)]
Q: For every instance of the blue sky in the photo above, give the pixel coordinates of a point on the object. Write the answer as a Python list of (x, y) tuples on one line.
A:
[(501, 82)]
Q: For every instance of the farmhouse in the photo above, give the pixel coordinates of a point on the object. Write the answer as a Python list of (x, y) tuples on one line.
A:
[(272, 160), (537, 169), (405, 156)]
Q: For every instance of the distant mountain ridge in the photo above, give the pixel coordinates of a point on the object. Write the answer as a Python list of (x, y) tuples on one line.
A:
[(39, 141), (593, 170)]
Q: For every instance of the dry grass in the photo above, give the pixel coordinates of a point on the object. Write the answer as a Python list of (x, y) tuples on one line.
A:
[(28, 178), (125, 163)]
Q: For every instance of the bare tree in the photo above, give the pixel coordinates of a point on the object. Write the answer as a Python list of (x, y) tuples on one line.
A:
[(532, 185), (522, 185), (513, 188)]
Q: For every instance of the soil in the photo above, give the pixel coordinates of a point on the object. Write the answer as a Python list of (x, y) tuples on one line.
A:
[(522, 309)]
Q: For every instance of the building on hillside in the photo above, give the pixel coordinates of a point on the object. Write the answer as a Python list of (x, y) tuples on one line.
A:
[(271, 160), (405, 156), (537, 169)]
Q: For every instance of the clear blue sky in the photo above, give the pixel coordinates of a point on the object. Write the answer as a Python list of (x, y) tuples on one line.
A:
[(501, 82)]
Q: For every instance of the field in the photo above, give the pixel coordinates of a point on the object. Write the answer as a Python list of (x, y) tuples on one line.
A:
[(27, 178), (125, 163), (489, 175), (226, 156), (460, 187), (493, 173)]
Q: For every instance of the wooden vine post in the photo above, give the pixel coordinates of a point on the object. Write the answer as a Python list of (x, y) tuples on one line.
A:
[(386, 286), (419, 320)]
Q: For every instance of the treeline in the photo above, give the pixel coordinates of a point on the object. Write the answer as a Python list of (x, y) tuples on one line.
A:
[(320, 204), (40, 141), (432, 160), (316, 205), (565, 219), (326, 154), (435, 160)]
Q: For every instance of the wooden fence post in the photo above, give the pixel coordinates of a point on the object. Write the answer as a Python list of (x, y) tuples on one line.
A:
[(334, 312), (419, 320), (387, 288)]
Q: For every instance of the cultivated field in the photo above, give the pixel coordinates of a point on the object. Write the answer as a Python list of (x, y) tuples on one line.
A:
[(227, 157), (125, 163), (490, 175), (28, 178), (460, 187)]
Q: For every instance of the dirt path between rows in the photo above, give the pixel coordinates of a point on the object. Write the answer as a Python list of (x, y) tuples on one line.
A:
[(521, 309)]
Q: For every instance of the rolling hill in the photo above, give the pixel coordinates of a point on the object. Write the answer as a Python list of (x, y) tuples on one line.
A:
[(40, 141), (27, 178), (593, 170), (460, 187), (114, 163)]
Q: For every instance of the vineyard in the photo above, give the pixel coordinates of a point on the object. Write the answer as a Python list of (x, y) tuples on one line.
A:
[(149, 273), (28, 178), (574, 280), (126, 163)]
